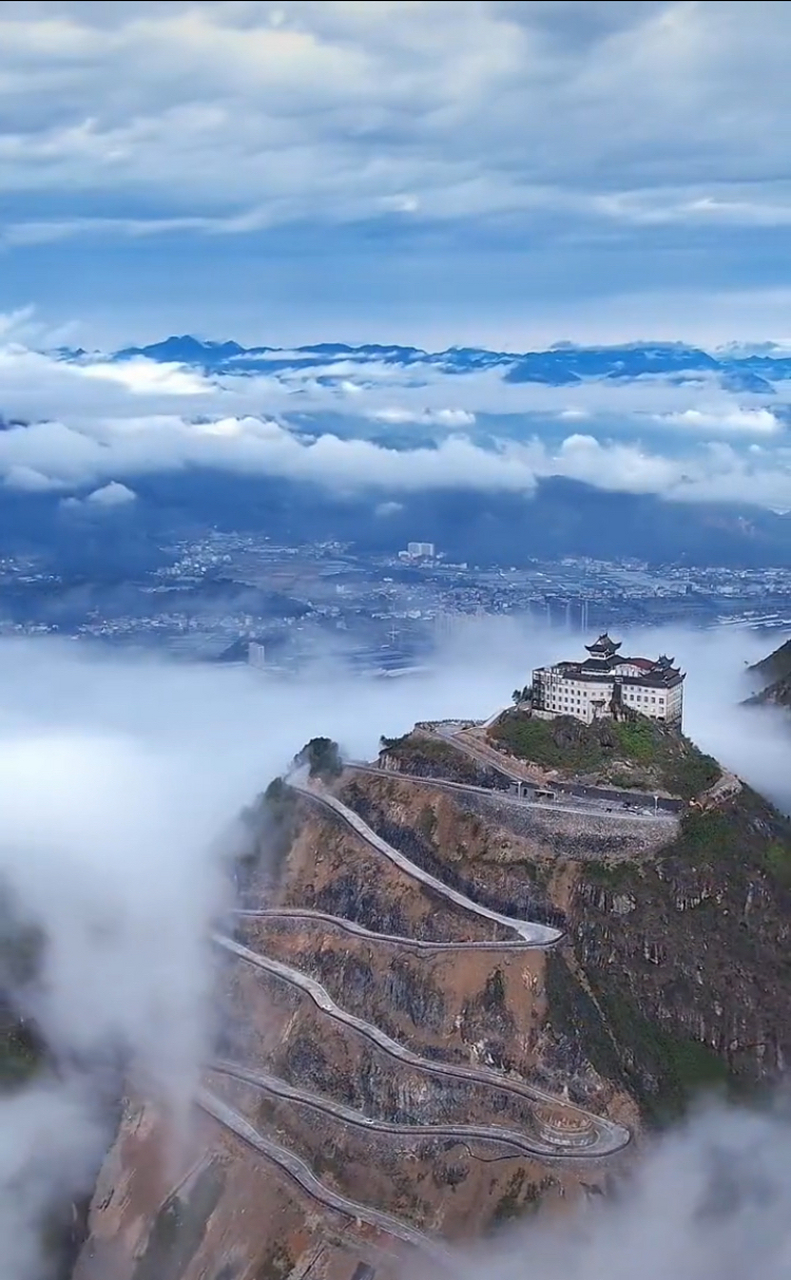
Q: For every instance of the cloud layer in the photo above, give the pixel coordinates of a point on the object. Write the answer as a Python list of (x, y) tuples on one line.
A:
[(89, 428), (118, 780), (357, 111), (508, 171)]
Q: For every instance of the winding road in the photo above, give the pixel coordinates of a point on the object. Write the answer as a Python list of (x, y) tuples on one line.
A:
[(300, 1171), (593, 1137), (463, 1133), (406, 944), (537, 934), (587, 809)]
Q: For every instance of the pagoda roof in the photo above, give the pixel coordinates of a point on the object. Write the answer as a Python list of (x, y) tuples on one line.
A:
[(605, 645)]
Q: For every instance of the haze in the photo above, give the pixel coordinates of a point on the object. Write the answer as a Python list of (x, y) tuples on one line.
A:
[(119, 782)]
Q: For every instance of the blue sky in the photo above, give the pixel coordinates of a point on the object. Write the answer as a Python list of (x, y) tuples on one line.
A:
[(498, 173), (430, 173)]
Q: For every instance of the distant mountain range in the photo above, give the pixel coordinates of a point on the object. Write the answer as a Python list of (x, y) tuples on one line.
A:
[(737, 369)]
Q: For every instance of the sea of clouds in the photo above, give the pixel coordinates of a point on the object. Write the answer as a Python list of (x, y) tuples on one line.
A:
[(120, 779), (90, 426)]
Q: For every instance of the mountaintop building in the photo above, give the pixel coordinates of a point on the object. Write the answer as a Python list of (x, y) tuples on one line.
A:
[(608, 684)]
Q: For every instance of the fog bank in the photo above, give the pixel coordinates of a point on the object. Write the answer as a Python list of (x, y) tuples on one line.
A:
[(119, 777)]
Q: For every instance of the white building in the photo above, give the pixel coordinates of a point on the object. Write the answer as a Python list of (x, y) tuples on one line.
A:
[(605, 683), (256, 654), (420, 550)]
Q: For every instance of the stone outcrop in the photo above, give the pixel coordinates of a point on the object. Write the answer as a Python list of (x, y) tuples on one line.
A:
[(670, 975)]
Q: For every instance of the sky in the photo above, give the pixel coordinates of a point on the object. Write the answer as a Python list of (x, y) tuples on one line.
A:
[(470, 171)]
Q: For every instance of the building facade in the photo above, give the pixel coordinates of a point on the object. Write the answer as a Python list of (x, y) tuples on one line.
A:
[(608, 684)]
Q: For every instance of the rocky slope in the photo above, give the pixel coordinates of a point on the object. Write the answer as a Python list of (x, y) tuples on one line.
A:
[(771, 678), (421, 1059)]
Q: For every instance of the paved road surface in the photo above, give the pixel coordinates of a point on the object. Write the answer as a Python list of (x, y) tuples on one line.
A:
[(595, 1137), (606, 1137), (302, 1174), (586, 808), (463, 1133), (359, 931), (542, 934)]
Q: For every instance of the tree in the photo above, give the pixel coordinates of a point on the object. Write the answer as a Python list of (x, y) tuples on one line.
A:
[(323, 758)]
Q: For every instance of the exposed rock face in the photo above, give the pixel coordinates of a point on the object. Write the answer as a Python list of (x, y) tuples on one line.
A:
[(695, 917)]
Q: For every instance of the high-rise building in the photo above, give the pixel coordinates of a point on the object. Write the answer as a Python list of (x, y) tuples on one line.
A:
[(421, 550), (256, 654)]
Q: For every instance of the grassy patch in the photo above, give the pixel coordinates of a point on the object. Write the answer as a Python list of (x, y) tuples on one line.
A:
[(637, 753), (778, 862), (277, 1265), (179, 1228), (427, 822), (663, 1071), (611, 875)]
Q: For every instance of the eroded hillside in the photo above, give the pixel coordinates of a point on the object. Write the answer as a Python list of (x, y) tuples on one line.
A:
[(431, 1019)]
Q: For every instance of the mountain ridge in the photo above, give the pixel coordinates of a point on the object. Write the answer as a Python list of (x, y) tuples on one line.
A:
[(558, 365)]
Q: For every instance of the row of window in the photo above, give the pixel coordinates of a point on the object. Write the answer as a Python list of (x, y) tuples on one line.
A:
[(574, 701)]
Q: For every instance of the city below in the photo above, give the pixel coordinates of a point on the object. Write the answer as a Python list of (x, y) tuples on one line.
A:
[(240, 597)]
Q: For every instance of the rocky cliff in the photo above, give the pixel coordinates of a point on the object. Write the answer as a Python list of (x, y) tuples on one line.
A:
[(446, 1006), (770, 679)]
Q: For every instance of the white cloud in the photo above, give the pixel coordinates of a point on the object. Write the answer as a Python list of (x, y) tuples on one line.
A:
[(108, 497), (149, 377), (94, 423), (511, 108), (118, 778), (727, 418), (112, 495), (426, 417), (709, 1199)]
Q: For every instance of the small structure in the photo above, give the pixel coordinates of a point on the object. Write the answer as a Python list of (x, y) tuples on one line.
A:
[(608, 684)]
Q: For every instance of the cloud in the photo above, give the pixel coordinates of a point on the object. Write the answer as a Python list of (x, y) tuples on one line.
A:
[(712, 1199), (112, 495), (86, 423), (118, 780), (292, 115), (146, 377), (53, 455), (728, 418), (427, 417)]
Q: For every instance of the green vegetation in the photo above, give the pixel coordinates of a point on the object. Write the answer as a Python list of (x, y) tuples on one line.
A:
[(749, 835), (21, 1054), (494, 992), (21, 1048), (323, 758), (271, 826), (427, 822), (520, 1199), (662, 1070), (706, 834), (776, 666), (637, 753), (778, 862)]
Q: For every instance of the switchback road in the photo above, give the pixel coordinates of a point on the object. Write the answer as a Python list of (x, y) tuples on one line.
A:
[(588, 1137)]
